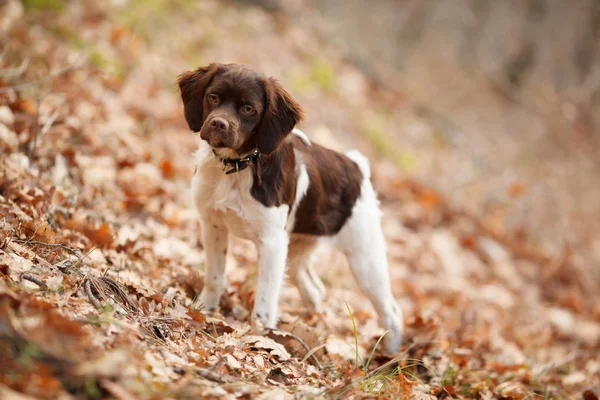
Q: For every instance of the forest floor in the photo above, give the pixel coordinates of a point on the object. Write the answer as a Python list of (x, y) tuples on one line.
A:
[(100, 257)]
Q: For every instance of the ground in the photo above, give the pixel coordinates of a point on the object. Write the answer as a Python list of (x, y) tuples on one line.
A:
[(100, 257)]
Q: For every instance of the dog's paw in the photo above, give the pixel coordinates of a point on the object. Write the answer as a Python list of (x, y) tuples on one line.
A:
[(208, 301), (263, 319), (393, 342), (393, 323), (257, 322)]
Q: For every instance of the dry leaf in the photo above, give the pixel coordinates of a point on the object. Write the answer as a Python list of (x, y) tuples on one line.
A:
[(268, 344), (109, 365)]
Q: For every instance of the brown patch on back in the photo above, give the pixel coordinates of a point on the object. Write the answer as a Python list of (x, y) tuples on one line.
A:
[(334, 187)]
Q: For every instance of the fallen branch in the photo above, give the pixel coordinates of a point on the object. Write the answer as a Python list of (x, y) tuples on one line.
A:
[(62, 246), (107, 289), (88, 291), (33, 279), (21, 249), (123, 296)]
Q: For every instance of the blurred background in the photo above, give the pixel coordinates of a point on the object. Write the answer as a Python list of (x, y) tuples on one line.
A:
[(482, 122), (496, 104)]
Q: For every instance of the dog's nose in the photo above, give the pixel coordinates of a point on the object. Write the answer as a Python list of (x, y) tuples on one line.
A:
[(219, 123)]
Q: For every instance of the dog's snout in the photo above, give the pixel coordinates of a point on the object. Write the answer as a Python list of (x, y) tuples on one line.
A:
[(219, 123)]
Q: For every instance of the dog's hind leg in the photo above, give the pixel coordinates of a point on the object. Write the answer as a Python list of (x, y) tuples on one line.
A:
[(362, 241), (366, 255)]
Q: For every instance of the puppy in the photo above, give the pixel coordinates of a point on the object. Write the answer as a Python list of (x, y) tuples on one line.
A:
[(259, 178)]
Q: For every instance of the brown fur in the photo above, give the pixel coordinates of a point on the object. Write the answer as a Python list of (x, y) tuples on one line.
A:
[(192, 85), (335, 182), (276, 112), (334, 186)]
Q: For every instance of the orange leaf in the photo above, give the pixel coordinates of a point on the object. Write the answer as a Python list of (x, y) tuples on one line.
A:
[(167, 168), (117, 33), (516, 189), (40, 231), (429, 199), (405, 384), (468, 242), (27, 106), (100, 235), (196, 316)]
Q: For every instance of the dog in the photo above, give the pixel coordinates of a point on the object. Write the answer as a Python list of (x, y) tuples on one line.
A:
[(259, 178)]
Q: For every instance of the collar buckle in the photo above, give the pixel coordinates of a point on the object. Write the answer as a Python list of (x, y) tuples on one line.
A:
[(238, 164)]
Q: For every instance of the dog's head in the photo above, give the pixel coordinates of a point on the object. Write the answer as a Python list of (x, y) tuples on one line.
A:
[(234, 107)]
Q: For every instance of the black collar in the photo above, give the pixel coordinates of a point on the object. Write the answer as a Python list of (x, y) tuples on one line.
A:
[(238, 164)]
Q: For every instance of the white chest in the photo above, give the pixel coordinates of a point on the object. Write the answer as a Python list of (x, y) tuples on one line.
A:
[(227, 198)]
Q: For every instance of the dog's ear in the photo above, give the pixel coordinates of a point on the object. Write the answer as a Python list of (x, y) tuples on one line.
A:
[(192, 85), (280, 116)]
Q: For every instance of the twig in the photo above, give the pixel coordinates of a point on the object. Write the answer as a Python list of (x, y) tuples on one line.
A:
[(309, 353), (88, 291), (213, 376), (105, 289), (62, 246), (94, 248), (125, 298), (41, 80), (22, 249), (33, 279), (312, 352), (79, 260), (48, 123)]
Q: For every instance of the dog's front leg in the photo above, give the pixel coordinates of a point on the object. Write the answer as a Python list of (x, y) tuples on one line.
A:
[(272, 253), (214, 238)]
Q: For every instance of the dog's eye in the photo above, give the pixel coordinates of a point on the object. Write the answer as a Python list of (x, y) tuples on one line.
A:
[(213, 98), (248, 109)]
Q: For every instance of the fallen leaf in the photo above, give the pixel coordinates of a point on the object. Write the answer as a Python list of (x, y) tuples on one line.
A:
[(232, 362), (109, 365), (268, 344)]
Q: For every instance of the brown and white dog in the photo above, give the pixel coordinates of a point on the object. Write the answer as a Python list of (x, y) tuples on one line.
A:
[(259, 178)]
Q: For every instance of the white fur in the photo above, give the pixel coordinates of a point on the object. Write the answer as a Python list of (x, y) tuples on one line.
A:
[(225, 205), (361, 240), (301, 135), (301, 189)]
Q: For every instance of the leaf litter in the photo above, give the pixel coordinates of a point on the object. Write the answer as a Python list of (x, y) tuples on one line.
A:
[(100, 257)]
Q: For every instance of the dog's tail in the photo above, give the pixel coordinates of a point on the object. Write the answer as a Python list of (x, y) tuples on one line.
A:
[(361, 161)]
